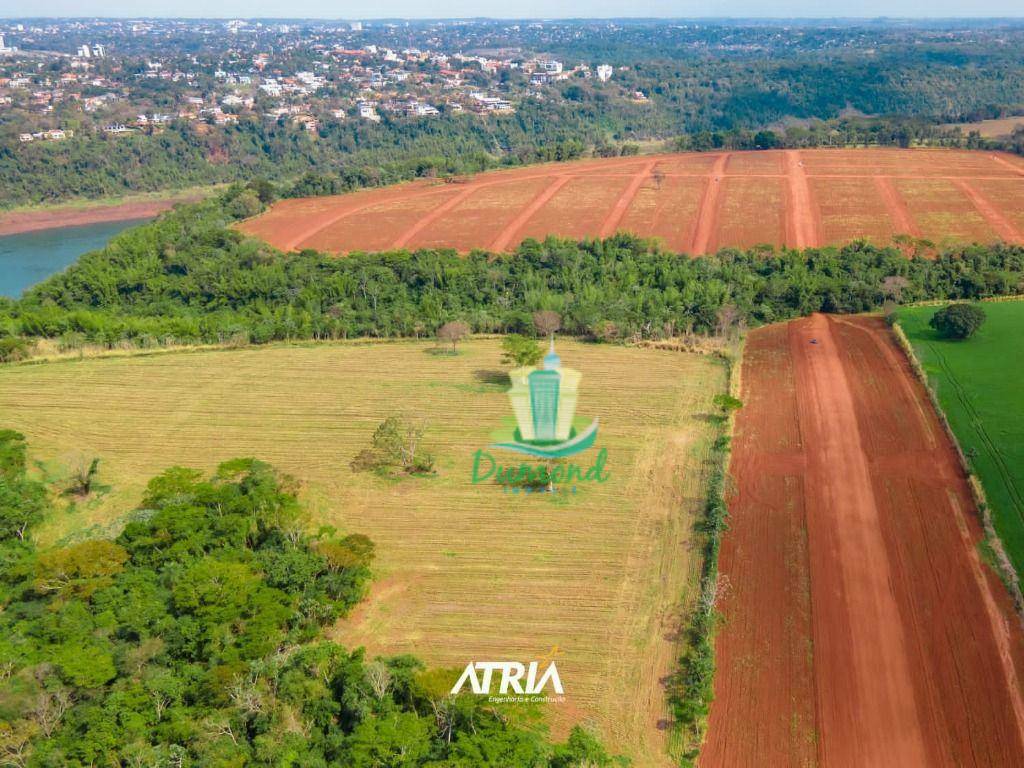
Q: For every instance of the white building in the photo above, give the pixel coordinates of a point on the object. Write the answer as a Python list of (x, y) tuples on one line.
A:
[(419, 109), (604, 72), (356, 26), (367, 111), (549, 66), (485, 103), (271, 87)]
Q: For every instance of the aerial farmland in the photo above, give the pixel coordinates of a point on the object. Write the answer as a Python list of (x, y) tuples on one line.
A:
[(695, 204)]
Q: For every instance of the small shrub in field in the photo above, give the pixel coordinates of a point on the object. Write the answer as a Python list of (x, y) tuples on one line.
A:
[(12, 349), (958, 321), (889, 312), (397, 444), (727, 403)]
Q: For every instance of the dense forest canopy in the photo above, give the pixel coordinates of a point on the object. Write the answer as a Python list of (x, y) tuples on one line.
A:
[(189, 277)]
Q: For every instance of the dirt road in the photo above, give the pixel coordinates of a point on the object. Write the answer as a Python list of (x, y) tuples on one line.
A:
[(803, 221), (861, 628)]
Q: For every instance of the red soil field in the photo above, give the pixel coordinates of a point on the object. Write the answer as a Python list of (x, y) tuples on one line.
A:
[(1002, 193), (751, 211), (942, 211), (696, 203), (666, 207), (854, 208), (861, 627)]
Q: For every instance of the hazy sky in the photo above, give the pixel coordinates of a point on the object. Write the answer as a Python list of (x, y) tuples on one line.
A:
[(354, 9)]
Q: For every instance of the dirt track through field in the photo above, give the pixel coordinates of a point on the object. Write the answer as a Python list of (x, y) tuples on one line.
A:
[(1007, 164), (707, 214), (504, 239), (802, 224), (611, 224), (861, 626), (996, 220), (897, 208), (430, 218), (694, 202)]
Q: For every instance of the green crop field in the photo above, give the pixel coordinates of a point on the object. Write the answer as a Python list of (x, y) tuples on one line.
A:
[(979, 385), (464, 572)]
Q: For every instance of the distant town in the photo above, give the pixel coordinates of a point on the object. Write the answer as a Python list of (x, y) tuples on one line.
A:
[(103, 108), (122, 77)]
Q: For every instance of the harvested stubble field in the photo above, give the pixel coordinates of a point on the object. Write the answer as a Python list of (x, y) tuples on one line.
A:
[(464, 572), (862, 626), (982, 396), (696, 203)]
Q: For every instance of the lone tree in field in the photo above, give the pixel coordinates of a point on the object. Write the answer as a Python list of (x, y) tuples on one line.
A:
[(83, 477), (958, 321), (397, 444), (519, 351), (452, 333), (547, 322)]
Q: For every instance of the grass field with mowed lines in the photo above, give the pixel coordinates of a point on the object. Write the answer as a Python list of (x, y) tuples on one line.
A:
[(464, 572)]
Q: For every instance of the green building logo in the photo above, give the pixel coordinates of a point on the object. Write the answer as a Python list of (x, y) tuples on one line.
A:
[(544, 403)]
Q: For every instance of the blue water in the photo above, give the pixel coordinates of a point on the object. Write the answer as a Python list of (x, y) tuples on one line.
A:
[(31, 257)]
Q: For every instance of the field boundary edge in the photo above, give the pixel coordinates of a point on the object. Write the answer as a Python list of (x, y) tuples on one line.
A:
[(691, 688), (1007, 573)]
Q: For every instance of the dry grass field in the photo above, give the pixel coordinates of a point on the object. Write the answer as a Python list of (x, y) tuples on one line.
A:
[(464, 572), (991, 129), (695, 203)]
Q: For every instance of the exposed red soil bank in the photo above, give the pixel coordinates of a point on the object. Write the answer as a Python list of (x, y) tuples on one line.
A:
[(860, 626), (694, 202), (30, 220)]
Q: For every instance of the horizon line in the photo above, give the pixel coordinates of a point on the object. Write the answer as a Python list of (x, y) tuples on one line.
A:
[(532, 19)]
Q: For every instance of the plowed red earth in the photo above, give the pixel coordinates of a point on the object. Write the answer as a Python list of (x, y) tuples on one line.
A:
[(861, 627), (694, 202)]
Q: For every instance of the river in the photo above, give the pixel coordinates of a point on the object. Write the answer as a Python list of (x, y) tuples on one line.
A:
[(31, 257)]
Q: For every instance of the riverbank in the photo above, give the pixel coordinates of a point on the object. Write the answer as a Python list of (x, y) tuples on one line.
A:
[(21, 220), (27, 258)]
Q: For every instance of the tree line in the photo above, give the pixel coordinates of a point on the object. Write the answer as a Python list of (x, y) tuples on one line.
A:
[(188, 277)]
